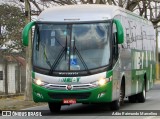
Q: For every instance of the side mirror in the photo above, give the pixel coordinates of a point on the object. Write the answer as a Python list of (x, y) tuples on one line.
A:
[(25, 33), (120, 32)]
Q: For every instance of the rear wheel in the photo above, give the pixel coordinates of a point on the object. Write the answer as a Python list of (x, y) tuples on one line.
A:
[(54, 107), (141, 97), (132, 99)]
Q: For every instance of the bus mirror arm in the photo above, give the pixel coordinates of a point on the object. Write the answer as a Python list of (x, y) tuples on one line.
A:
[(120, 32), (25, 33)]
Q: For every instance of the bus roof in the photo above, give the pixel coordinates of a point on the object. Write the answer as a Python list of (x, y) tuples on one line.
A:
[(77, 13), (84, 12)]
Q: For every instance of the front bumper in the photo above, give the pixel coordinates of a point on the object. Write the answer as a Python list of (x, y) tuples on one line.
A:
[(92, 95)]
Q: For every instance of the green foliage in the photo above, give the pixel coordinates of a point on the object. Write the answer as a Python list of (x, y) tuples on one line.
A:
[(12, 21)]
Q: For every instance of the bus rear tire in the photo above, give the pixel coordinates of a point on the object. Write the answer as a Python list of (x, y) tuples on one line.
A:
[(141, 97), (132, 98), (54, 107)]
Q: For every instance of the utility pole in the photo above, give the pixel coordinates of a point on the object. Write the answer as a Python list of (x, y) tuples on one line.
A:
[(157, 59), (28, 88), (6, 77)]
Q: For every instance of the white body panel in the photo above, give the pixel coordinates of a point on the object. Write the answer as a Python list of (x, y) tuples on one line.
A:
[(59, 80), (137, 32), (77, 13)]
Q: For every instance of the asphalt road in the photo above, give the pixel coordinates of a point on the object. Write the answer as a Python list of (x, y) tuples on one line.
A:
[(93, 111)]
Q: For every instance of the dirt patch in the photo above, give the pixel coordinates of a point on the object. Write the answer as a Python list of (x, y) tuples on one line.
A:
[(17, 103)]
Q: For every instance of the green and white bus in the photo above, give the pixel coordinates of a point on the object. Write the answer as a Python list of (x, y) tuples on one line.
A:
[(91, 54)]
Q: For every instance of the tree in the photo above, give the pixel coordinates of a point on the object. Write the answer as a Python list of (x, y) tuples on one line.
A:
[(146, 8), (11, 24)]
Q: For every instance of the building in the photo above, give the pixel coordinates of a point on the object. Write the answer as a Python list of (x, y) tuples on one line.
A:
[(12, 74)]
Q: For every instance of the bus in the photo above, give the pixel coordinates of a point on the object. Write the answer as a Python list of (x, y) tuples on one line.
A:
[(91, 54)]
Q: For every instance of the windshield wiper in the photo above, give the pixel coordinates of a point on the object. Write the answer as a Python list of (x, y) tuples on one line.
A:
[(80, 57), (66, 49), (47, 61), (59, 57)]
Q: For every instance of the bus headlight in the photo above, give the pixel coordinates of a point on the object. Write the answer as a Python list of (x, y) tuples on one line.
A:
[(102, 82), (39, 82)]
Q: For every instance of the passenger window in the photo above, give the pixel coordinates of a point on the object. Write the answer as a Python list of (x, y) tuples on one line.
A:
[(115, 44)]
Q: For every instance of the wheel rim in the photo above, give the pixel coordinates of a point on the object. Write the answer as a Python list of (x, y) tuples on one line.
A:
[(121, 96), (144, 92)]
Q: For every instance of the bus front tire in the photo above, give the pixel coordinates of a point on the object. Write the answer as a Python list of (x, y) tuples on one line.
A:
[(115, 105), (54, 107)]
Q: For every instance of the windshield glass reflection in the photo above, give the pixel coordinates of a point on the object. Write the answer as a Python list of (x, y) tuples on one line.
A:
[(71, 46)]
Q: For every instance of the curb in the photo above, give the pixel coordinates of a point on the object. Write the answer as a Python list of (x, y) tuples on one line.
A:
[(10, 95)]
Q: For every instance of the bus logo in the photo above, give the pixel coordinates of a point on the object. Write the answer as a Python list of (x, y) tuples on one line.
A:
[(69, 87), (70, 80)]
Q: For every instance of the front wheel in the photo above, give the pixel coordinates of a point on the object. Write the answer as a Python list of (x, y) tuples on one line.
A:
[(54, 107), (115, 105)]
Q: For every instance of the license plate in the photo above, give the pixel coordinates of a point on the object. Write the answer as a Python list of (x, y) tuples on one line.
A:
[(69, 101)]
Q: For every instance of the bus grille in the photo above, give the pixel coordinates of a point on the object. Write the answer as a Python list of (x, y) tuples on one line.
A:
[(69, 95), (64, 87)]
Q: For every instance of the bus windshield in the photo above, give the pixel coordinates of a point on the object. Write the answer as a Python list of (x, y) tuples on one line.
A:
[(70, 47)]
